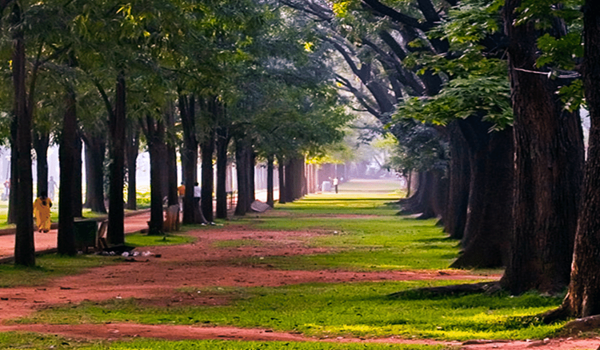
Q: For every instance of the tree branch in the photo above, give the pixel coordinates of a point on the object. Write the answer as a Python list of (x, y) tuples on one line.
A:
[(359, 97), (397, 16)]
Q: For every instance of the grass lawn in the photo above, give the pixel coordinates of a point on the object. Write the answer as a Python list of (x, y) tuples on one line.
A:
[(18, 341), (349, 309), (143, 240)]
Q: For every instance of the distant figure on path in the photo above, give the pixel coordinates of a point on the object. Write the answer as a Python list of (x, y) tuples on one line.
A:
[(51, 187), (335, 184), (197, 192), (41, 210)]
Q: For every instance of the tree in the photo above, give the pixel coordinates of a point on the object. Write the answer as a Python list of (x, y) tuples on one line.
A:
[(584, 289), (24, 244), (548, 165)]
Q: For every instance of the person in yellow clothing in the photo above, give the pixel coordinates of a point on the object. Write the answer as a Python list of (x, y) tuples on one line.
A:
[(41, 210)]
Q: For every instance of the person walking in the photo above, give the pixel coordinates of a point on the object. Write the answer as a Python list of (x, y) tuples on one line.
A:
[(41, 210), (51, 187), (335, 184)]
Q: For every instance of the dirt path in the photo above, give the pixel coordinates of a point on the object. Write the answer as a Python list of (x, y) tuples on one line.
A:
[(155, 280)]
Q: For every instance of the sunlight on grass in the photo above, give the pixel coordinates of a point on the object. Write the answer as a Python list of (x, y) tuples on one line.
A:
[(364, 244), (349, 309)]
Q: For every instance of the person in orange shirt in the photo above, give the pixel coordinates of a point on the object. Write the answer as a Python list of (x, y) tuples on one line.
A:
[(41, 210), (181, 193)]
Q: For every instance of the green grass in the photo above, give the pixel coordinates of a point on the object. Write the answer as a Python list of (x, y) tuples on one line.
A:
[(364, 244), (350, 309), (15, 340), (348, 204), (143, 240), (48, 267), (31, 341)]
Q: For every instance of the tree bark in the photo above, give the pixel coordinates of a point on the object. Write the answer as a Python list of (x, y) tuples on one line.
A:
[(14, 173), (289, 180), (459, 177), (270, 197), (241, 160), (208, 149), (485, 241), (548, 162), (24, 244), (77, 176), (583, 298), (155, 134), (189, 154), (116, 123), (282, 187), (41, 142), (132, 146), (223, 139), (95, 150), (68, 149), (251, 181), (171, 156)]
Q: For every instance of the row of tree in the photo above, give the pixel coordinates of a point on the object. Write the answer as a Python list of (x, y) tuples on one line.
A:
[(219, 77), (483, 97)]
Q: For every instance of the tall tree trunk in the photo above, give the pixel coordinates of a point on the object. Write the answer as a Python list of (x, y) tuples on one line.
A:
[(421, 201), (490, 207), (223, 139), (41, 142), (289, 180), (270, 200), (14, 173), (155, 134), (171, 156), (282, 185), (189, 155), (548, 162), (241, 160), (583, 298), (24, 244), (251, 178), (77, 176), (208, 149), (295, 174), (132, 145), (116, 222), (95, 151), (459, 177), (68, 148)]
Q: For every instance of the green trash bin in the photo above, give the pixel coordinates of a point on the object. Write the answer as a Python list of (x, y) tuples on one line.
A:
[(85, 234)]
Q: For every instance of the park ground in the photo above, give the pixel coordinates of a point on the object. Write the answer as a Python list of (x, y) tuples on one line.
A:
[(331, 271)]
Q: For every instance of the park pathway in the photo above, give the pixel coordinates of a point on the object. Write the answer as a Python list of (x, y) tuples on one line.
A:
[(134, 222), (47, 241)]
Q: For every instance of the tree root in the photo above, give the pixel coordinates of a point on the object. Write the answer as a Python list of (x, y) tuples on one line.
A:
[(584, 324), (457, 289), (559, 314)]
